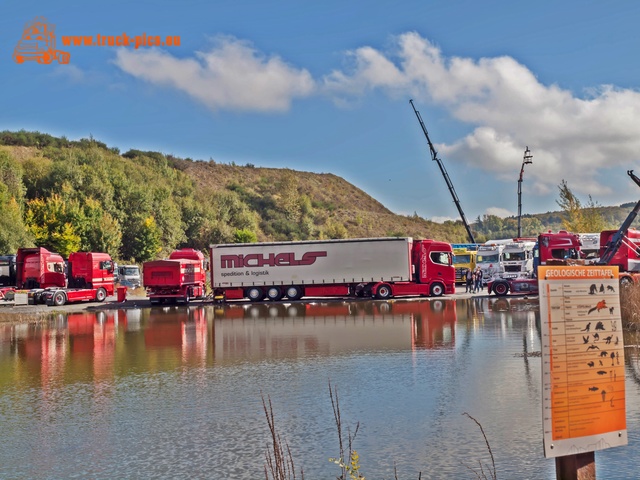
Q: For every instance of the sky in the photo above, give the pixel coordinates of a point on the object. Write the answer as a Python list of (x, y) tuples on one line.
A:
[(325, 87)]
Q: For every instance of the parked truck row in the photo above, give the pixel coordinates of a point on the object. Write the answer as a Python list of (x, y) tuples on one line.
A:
[(369, 267), (51, 280)]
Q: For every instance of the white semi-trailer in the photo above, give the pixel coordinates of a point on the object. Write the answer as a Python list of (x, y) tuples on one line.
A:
[(379, 267)]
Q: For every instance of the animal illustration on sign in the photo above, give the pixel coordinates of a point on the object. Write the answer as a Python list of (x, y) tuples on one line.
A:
[(602, 304)]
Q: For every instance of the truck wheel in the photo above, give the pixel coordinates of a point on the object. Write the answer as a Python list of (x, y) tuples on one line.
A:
[(59, 299), (294, 292), (101, 294), (383, 292), (437, 289), (501, 288), (255, 294), (274, 294)]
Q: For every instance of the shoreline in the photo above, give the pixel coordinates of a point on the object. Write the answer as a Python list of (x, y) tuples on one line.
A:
[(12, 314)]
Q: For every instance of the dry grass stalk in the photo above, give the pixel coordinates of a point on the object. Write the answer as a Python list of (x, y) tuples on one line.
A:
[(279, 460), (492, 468)]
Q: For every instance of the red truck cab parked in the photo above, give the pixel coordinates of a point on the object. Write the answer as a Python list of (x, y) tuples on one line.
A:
[(39, 268), (182, 277), (90, 277)]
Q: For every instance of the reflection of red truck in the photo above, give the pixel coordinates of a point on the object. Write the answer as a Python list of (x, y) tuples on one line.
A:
[(90, 278), (379, 267), (181, 277)]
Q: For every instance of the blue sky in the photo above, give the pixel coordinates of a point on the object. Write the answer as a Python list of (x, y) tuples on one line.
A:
[(325, 87)]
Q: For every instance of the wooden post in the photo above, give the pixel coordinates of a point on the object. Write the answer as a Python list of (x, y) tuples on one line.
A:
[(581, 466)]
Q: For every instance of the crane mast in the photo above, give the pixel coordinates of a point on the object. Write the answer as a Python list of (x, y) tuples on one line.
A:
[(434, 157)]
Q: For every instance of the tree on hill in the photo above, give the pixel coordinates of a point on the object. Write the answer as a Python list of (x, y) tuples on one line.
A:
[(578, 218)]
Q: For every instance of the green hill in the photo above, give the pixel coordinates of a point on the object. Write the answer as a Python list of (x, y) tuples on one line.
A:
[(82, 195)]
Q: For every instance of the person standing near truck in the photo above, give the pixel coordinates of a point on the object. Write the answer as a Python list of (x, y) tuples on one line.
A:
[(478, 280), (468, 281)]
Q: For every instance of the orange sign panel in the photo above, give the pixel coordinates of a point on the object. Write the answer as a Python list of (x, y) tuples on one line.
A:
[(584, 405)]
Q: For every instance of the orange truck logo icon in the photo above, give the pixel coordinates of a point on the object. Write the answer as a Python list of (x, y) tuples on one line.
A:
[(38, 43)]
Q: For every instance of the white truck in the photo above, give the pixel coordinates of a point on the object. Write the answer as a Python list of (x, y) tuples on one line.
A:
[(489, 260), (590, 245), (378, 267), (129, 275), (517, 259)]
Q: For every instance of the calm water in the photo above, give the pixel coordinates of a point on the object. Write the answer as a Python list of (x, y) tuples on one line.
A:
[(177, 392)]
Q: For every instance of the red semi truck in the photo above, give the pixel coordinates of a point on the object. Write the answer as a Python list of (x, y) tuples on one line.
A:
[(560, 246), (378, 267), (182, 277), (39, 268), (90, 277), (43, 273)]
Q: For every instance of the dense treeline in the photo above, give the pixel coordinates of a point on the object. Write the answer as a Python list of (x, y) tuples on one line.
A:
[(82, 195)]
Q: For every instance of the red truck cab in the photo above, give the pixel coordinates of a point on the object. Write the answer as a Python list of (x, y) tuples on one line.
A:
[(181, 277), (39, 268), (90, 278)]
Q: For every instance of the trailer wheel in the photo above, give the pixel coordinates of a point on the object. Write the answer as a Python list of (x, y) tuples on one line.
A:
[(274, 294), (383, 292), (501, 288), (255, 294), (101, 294), (294, 292), (59, 299), (437, 289)]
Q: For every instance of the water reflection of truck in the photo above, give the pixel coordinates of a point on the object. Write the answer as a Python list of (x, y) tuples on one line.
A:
[(378, 267), (332, 326)]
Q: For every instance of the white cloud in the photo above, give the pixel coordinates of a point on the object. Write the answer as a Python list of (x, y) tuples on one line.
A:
[(570, 137), (69, 73), (443, 219), (232, 75), (499, 212)]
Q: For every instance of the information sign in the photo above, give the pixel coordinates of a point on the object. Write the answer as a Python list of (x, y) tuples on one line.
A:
[(582, 359)]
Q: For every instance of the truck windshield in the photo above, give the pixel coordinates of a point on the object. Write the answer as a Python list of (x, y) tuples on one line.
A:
[(130, 271), (492, 258), (457, 259), (514, 256)]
